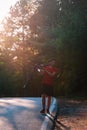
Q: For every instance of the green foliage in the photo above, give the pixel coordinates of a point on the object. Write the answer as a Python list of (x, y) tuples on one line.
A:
[(6, 79), (36, 32)]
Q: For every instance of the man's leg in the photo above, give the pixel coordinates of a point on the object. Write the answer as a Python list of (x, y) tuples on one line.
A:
[(48, 104), (43, 103)]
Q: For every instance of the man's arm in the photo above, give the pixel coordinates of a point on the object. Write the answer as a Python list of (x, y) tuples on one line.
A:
[(50, 73)]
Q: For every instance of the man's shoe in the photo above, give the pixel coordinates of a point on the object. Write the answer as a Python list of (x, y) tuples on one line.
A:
[(42, 111), (48, 111)]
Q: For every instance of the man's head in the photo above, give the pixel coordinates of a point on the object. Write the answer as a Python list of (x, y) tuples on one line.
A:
[(52, 62)]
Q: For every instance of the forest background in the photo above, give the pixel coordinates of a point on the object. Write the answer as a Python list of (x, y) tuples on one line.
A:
[(36, 31)]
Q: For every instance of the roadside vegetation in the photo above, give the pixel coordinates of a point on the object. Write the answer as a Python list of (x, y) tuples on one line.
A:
[(35, 32)]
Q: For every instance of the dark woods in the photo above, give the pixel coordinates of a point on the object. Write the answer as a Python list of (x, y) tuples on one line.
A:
[(35, 32)]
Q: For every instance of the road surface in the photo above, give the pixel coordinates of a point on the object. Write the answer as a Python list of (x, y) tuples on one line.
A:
[(23, 114)]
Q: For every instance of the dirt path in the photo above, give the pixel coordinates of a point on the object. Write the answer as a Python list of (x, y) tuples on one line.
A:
[(72, 115)]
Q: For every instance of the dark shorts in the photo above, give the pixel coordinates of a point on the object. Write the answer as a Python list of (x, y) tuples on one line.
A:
[(48, 90)]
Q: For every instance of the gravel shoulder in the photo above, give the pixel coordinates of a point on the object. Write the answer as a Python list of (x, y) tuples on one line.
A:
[(72, 115)]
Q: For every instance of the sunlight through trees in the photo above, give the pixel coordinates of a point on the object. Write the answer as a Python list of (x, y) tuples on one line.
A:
[(35, 31)]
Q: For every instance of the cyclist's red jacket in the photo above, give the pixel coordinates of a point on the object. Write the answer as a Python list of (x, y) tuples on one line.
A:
[(47, 79)]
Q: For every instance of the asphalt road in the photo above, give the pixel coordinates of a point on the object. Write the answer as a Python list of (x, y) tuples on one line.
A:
[(24, 114)]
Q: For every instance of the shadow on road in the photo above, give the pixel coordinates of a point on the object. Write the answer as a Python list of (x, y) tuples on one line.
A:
[(57, 124), (67, 109), (60, 126), (14, 112)]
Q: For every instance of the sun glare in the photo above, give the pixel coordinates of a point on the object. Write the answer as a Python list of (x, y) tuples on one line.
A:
[(4, 7)]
